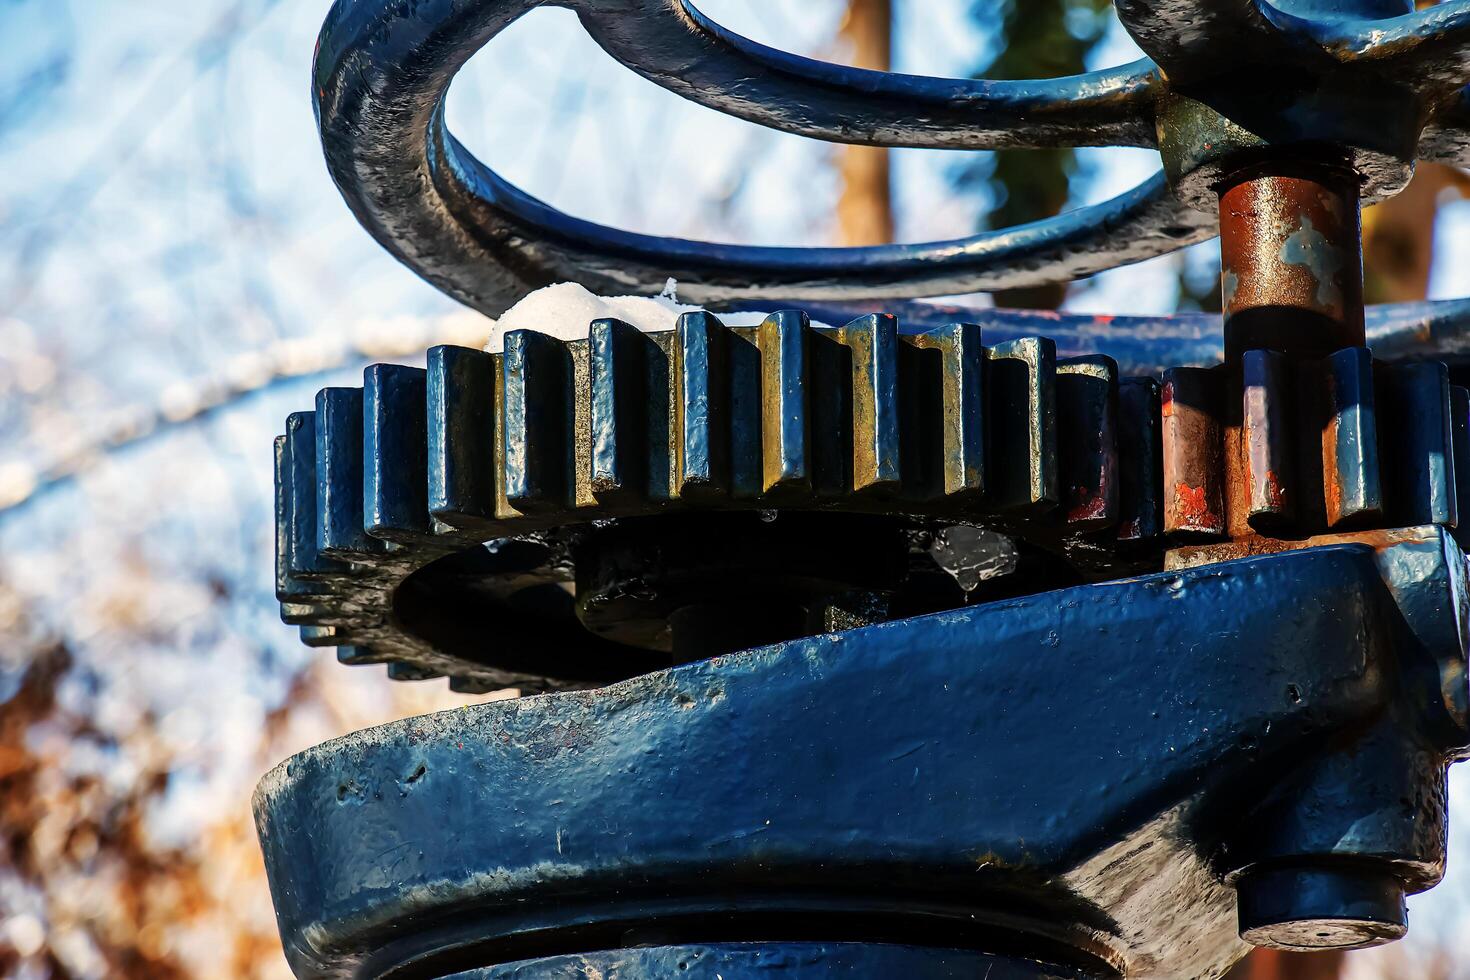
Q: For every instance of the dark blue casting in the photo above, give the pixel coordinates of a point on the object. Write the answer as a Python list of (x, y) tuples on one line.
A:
[(873, 784)]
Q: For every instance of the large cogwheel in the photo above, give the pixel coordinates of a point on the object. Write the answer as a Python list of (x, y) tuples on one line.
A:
[(568, 513)]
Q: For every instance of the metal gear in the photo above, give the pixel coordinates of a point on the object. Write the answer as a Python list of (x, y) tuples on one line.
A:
[(569, 513)]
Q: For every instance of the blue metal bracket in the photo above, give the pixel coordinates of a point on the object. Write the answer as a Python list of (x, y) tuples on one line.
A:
[(1056, 767)]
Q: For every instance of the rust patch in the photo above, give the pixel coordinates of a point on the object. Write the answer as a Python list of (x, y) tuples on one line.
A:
[(1289, 248), (1275, 494), (1192, 506), (1255, 546), (1093, 505)]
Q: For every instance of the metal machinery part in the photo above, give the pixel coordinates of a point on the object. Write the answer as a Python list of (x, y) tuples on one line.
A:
[(798, 727)]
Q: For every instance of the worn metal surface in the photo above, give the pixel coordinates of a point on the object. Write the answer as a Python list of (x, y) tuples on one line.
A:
[(1291, 261), (382, 70), (871, 785), (714, 442), (1288, 447)]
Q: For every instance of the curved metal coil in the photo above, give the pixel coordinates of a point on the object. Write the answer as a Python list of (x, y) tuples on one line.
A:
[(383, 69)]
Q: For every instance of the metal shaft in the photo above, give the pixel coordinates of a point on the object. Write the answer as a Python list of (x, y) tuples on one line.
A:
[(1292, 261)]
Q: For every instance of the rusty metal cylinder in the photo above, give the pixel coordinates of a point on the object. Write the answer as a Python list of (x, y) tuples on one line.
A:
[(1292, 261)]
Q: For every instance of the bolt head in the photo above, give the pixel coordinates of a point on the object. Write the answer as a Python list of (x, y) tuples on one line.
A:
[(1305, 909)]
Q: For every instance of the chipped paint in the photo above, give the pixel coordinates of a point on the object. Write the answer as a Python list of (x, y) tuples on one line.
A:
[(1310, 248), (1192, 505)]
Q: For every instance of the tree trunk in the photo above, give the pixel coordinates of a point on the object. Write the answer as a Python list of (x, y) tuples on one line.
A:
[(1398, 236), (865, 209)]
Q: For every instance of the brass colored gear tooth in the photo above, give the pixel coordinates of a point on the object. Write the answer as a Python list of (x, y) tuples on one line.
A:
[(785, 421), (1022, 432), (943, 394), (856, 409)]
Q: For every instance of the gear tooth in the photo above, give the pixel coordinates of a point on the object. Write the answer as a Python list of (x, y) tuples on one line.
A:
[(1351, 482), (1021, 392), (460, 395), (943, 391), (303, 560), (786, 456), (319, 636), (579, 424), (1193, 452), (1087, 441), (876, 460), (340, 531), (289, 589), (473, 685), (701, 406), (538, 421), (395, 452), (1267, 411), (1415, 443), (286, 587), (1460, 437), (398, 671), (619, 410), (300, 614), (356, 655), (1139, 512)]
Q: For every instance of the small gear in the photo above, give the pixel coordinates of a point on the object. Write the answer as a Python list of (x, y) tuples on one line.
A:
[(569, 513)]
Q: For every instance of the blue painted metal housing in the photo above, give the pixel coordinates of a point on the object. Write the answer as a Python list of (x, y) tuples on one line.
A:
[(1056, 768)]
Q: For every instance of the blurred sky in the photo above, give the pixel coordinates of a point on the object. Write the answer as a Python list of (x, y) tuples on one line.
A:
[(169, 237)]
